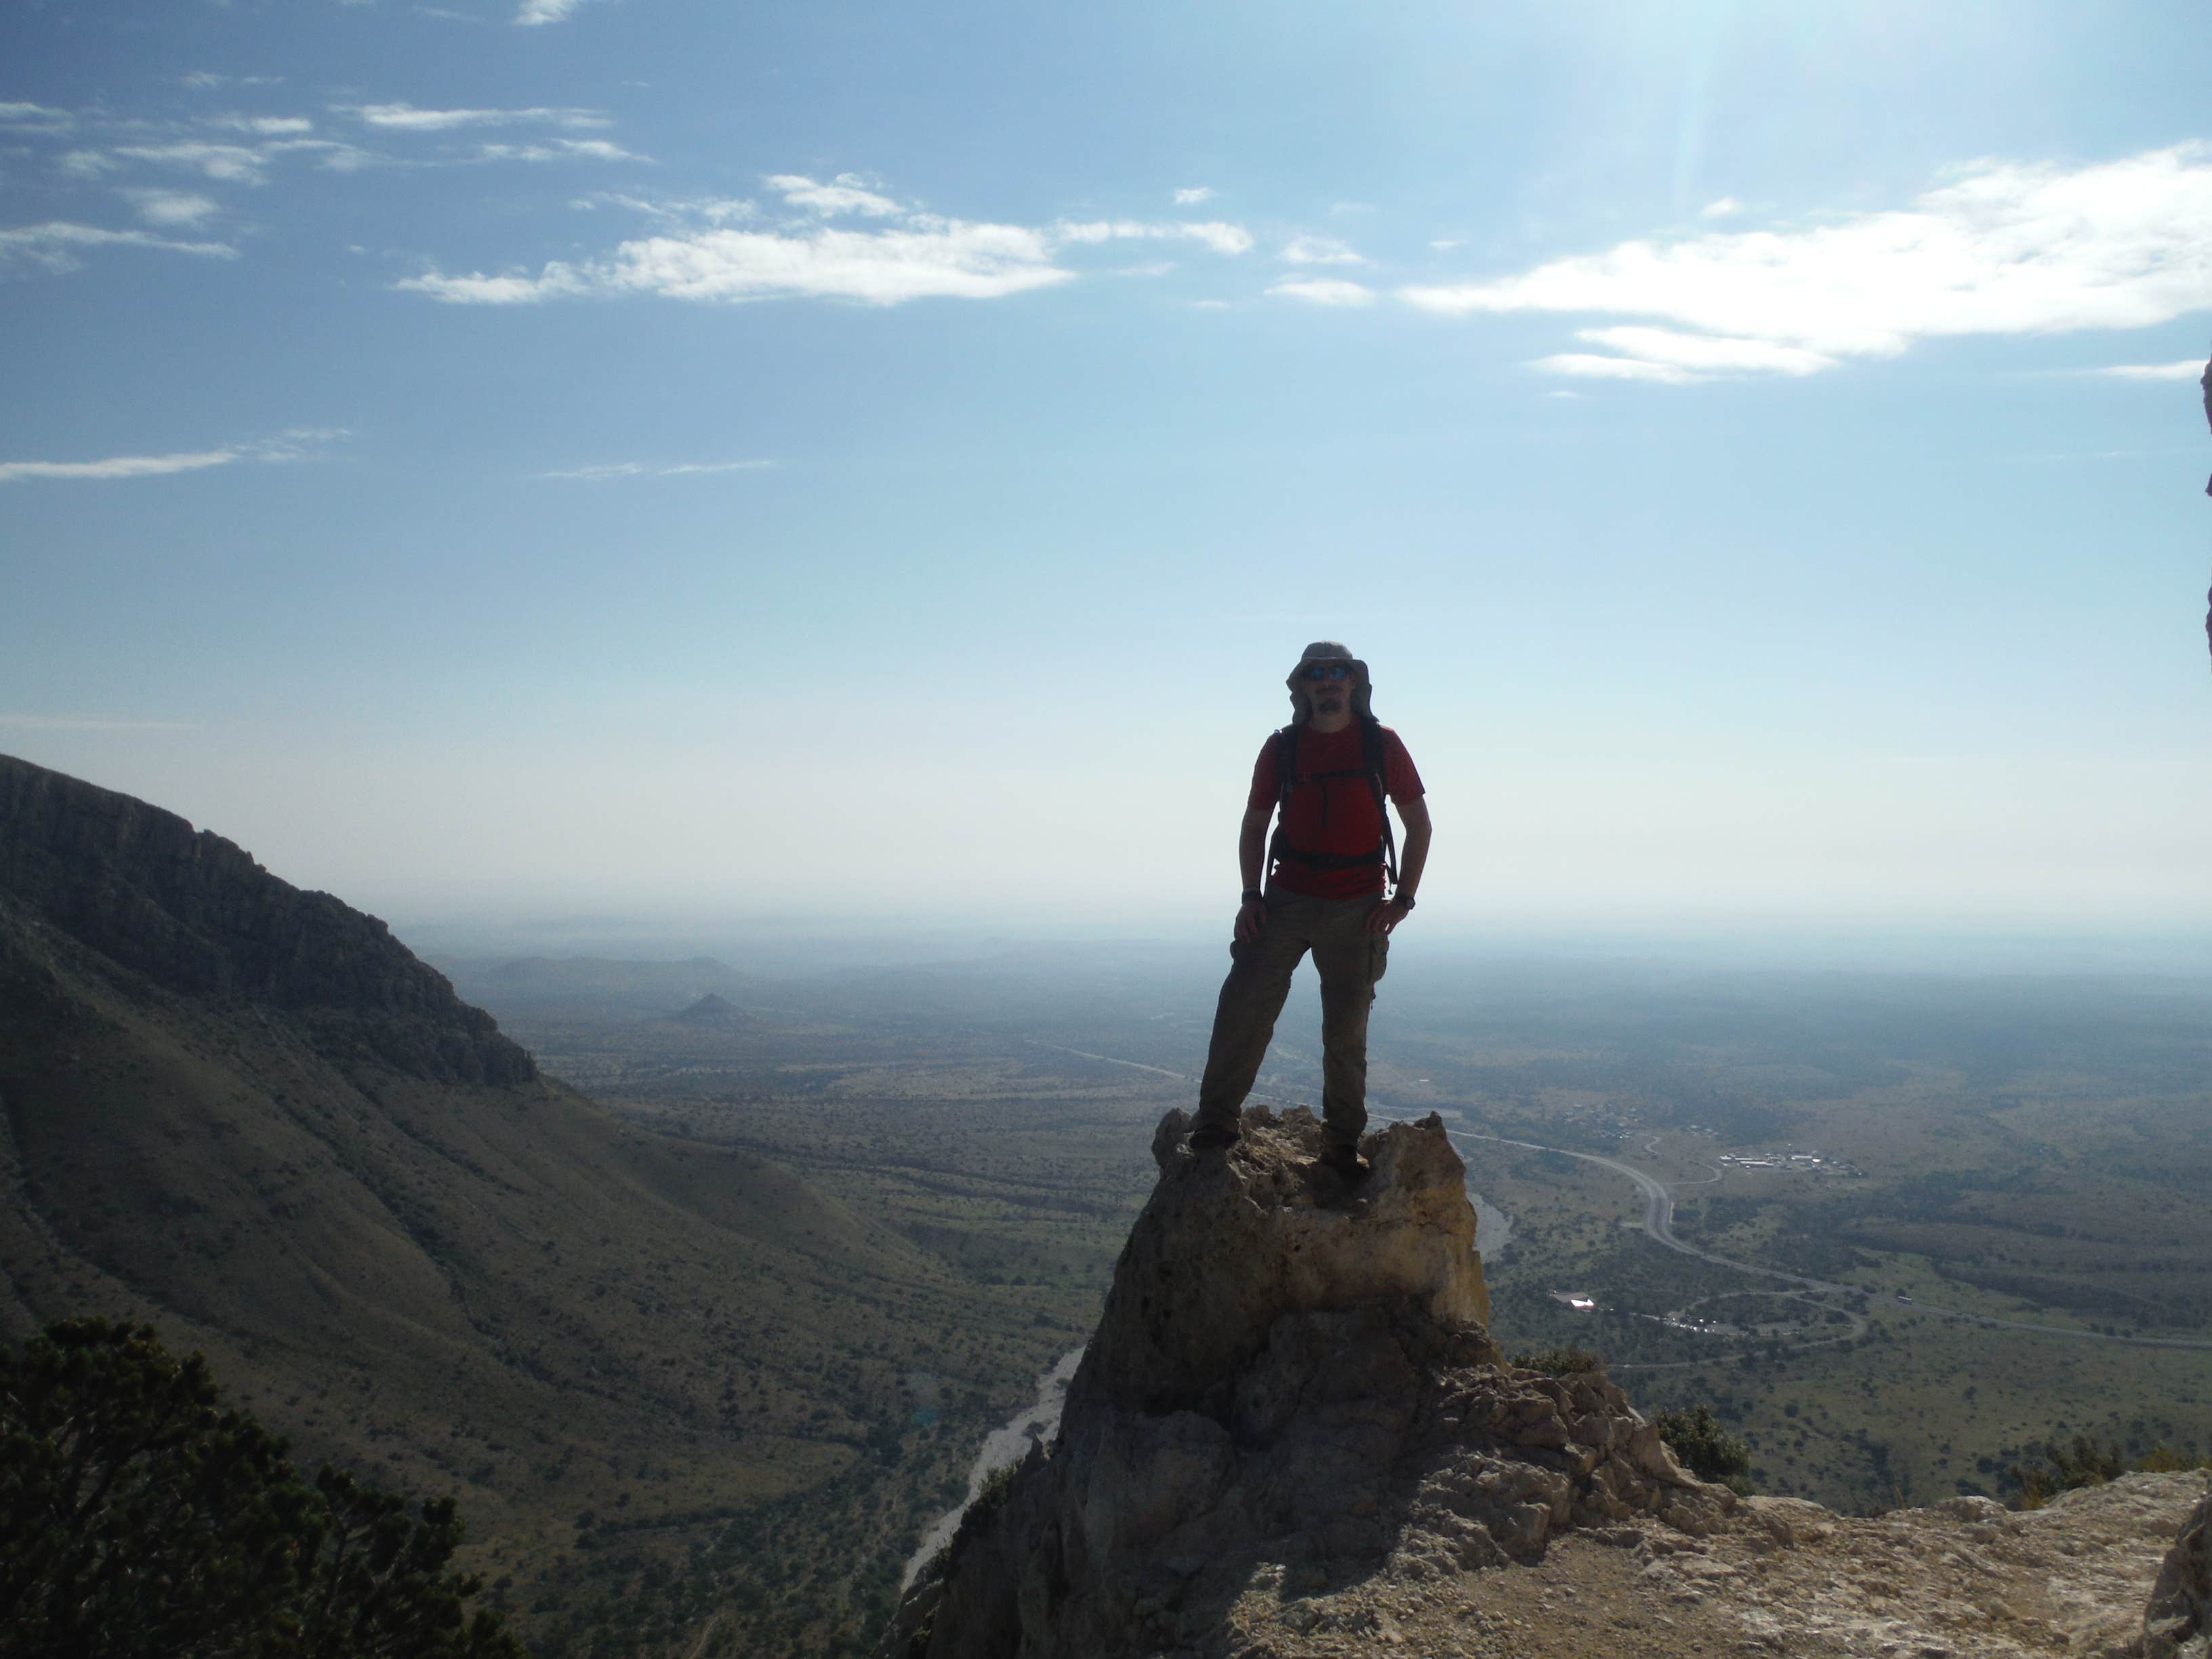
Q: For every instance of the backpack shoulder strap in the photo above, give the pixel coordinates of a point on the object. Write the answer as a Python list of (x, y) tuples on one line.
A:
[(1377, 764)]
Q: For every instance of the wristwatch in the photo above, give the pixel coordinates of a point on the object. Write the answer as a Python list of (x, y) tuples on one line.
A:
[(1253, 893), (1404, 898)]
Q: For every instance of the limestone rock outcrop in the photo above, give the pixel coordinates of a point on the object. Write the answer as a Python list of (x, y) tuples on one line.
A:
[(197, 915), (2178, 1623), (1291, 1390)]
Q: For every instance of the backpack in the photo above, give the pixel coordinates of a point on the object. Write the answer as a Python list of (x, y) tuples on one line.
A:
[(1371, 768)]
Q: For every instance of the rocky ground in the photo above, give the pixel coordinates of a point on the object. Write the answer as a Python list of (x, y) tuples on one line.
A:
[(1966, 1578), (1292, 1437)]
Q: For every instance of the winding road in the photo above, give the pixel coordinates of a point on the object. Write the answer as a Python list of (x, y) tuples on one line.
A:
[(1659, 1222)]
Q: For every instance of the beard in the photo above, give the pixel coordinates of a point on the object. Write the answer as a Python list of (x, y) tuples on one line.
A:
[(1330, 703)]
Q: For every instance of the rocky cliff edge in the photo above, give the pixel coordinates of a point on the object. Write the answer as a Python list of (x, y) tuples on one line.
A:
[(1291, 1393)]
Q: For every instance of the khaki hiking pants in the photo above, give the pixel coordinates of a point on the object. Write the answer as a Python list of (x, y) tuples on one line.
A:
[(1349, 959)]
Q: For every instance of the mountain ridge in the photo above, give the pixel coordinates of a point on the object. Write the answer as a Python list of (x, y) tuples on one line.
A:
[(247, 1116), (199, 915)]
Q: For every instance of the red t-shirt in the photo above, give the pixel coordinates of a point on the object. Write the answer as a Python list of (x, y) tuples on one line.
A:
[(1333, 815)]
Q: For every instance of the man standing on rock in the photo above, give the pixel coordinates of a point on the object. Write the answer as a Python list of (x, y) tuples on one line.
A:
[(1318, 887)]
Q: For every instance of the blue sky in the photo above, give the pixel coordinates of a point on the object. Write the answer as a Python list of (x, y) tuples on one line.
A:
[(625, 455)]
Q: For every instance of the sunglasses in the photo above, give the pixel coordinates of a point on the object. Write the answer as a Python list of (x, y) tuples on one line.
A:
[(1326, 670)]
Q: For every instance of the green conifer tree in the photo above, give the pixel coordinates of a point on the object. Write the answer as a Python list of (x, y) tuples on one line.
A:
[(139, 1518)]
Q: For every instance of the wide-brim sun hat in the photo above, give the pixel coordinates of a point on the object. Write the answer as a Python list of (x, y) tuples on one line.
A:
[(1329, 651)]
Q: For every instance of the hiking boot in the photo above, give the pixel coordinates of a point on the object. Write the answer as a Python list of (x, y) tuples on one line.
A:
[(1344, 1161), (1211, 1137)]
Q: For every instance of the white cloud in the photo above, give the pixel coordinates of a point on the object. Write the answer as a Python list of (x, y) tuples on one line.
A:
[(117, 466), (207, 80), (930, 258), (1707, 352), (560, 149), (56, 244), (1220, 237), (297, 444), (952, 259), (85, 164), (1323, 291), (712, 251), (1191, 196), (685, 210), (405, 118), (2003, 248), (233, 164), (1321, 251), (597, 150), (846, 193), (533, 13), (1725, 208), (171, 208), (516, 288), (34, 115), (1614, 368), (2187, 369), (607, 471), (266, 126), (1215, 234)]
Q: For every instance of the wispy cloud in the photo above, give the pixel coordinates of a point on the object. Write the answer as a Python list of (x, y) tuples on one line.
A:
[(2003, 248), (950, 258), (209, 80), (1192, 195), (1321, 251), (300, 444), (225, 161), (57, 244), (36, 115), (405, 118), (2189, 368), (560, 150), (264, 126), (606, 471), (677, 210), (1591, 366), (1214, 234), (535, 14), (722, 250), (922, 255), (117, 466), (1323, 291), (849, 192), (231, 164), (1704, 353), (1726, 208), (171, 208), (20, 721)]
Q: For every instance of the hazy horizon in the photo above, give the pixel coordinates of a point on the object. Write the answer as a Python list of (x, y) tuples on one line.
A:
[(784, 945)]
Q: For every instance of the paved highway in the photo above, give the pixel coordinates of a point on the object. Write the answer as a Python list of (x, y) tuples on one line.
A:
[(1659, 1222)]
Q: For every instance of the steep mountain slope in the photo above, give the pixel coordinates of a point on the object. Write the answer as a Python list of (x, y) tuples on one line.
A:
[(250, 1117)]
